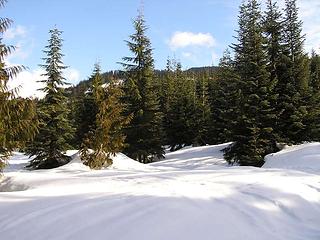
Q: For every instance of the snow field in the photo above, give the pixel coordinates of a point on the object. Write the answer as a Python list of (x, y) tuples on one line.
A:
[(191, 195)]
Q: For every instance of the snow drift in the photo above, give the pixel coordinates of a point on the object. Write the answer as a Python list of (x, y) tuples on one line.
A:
[(305, 157)]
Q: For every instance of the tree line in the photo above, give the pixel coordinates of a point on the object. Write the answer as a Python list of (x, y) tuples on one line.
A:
[(264, 93)]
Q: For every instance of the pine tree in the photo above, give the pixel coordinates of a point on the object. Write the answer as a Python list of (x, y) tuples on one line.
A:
[(86, 112), (312, 120), (202, 116), (55, 130), (273, 30), (107, 137), (224, 101), (292, 84), (167, 92), (17, 115), (182, 109), (253, 135), (144, 134)]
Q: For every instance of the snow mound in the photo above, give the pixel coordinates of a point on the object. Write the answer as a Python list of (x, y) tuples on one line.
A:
[(120, 162), (123, 162), (195, 158), (305, 157)]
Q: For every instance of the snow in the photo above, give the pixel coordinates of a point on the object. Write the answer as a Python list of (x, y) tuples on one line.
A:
[(190, 195), (305, 157)]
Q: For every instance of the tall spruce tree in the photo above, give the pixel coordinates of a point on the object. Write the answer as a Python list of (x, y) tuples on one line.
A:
[(106, 137), (273, 30), (86, 111), (144, 134), (17, 116), (225, 93), (55, 129), (292, 84), (202, 116), (312, 121), (182, 109), (253, 134), (167, 91)]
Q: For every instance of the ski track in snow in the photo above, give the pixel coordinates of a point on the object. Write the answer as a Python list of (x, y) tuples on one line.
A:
[(190, 195)]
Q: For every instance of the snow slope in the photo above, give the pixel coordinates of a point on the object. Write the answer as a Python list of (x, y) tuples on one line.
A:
[(305, 157), (191, 195)]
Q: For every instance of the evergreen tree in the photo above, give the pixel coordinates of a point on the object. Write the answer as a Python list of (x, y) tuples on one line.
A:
[(144, 134), (292, 84), (86, 112), (312, 121), (107, 137), (253, 134), (167, 92), (224, 101), (17, 115), (273, 30), (182, 109), (202, 116), (55, 130)]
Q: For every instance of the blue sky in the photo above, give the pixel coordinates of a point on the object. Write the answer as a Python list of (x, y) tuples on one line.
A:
[(194, 31)]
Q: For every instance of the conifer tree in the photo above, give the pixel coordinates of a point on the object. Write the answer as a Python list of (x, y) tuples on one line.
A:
[(55, 129), (167, 92), (17, 116), (182, 109), (312, 121), (292, 84), (107, 137), (253, 135), (202, 116), (144, 134), (224, 101), (86, 112), (273, 30)]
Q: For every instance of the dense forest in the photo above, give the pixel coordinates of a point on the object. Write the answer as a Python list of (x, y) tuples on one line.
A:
[(264, 94)]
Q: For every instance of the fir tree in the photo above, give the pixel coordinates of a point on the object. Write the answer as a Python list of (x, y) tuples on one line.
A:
[(312, 120), (107, 137), (202, 117), (182, 110), (86, 112), (293, 79), (144, 134), (55, 130), (273, 30), (253, 133), (224, 101), (167, 92), (17, 115)]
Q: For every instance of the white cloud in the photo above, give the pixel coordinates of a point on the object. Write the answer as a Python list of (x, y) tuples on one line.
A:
[(187, 39), (13, 33), (187, 54), (27, 82), (72, 75), (20, 38)]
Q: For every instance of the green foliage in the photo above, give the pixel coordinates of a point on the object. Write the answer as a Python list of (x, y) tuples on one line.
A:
[(105, 138), (253, 133), (144, 133), (17, 115), (292, 86), (225, 94), (55, 130), (312, 121)]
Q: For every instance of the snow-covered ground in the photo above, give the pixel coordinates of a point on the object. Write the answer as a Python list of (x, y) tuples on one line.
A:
[(191, 195)]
